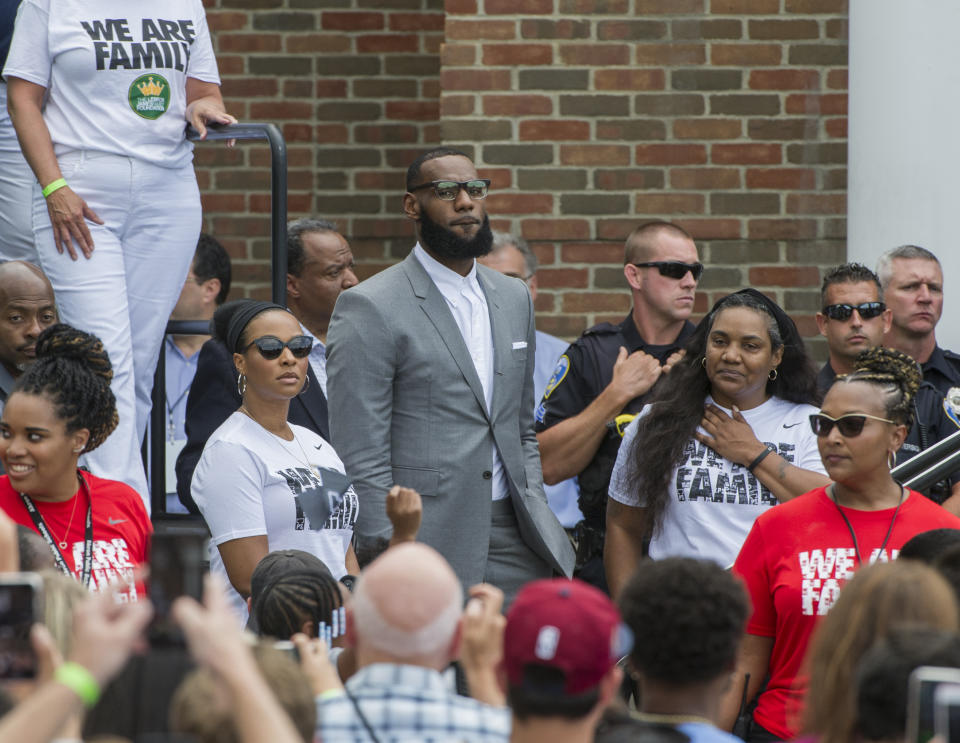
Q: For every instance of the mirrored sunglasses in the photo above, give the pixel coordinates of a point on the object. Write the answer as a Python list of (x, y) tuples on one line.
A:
[(270, 347), (674, 269), (867, 310), (848, 425)]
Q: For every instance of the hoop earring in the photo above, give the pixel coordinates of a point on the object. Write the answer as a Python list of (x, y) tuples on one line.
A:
[(891, 460), (241, 385), (306, 384), (703, 362), (772, 375)]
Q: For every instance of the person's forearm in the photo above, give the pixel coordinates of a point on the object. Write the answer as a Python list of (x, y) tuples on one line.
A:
[(32, 132), (623, 546), (785, 480), (952, 503), (483, 686), (753, 660), (41, 716), (567, 447)]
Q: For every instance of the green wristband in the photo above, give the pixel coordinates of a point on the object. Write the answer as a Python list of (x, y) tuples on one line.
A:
[(80, 681), (55, 186)]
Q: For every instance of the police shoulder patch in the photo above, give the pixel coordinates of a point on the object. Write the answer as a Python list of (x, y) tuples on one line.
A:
[(563, 366)]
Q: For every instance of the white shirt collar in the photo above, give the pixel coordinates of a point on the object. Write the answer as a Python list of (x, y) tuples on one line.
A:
[(448, 281), (316, 341)]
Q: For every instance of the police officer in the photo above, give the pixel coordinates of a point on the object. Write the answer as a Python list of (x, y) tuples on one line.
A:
[(601, 381), (912, 283)]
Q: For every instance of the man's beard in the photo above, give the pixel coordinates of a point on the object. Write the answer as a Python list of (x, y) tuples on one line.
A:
[(447, 244)]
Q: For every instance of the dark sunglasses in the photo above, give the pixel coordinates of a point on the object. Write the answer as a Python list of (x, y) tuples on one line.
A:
[(867, 310), (270, 347), (449, 190), (674, 269), (848, 425)]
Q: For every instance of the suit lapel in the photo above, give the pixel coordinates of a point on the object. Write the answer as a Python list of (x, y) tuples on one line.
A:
[(438, 313), (498, 331)]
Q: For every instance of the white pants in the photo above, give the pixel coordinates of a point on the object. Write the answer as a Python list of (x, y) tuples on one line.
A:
[(125, 292), (16, 193)]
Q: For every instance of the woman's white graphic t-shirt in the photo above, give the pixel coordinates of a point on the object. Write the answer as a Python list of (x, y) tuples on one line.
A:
[(250, 483), (713, 501), (115, 72)]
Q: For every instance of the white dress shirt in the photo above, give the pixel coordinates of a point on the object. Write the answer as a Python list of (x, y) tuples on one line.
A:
[(318, 359), (468, 304)]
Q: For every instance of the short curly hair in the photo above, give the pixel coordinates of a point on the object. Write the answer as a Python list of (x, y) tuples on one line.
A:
[(687, 617)]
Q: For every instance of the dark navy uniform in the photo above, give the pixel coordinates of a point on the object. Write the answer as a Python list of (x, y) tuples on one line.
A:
[(582, 373), (931, 423)]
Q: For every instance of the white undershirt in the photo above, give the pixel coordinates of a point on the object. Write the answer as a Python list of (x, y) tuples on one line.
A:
[(468, 304)]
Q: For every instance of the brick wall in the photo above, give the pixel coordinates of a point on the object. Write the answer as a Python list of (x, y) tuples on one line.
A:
[(590, 116)]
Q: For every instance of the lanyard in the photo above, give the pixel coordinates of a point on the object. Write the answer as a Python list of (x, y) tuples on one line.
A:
[(44, 530), (853, 534)]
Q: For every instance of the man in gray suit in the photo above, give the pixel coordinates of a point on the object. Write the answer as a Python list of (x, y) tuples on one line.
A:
[(430, 366)]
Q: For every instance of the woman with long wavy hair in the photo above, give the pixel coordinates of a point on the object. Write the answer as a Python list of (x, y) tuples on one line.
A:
[(724, 438)]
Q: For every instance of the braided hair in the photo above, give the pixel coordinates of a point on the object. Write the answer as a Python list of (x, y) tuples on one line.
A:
[(290, 587), (897, 374), (73, 371)]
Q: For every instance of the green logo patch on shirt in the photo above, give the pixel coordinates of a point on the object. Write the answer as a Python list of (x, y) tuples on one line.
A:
[(149, 96)]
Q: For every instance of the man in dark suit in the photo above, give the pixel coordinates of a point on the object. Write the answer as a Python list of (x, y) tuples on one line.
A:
[(319, 267)]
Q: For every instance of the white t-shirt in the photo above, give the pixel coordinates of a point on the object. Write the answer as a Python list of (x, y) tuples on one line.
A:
[(247, 484), (713, 501), (115, 72)]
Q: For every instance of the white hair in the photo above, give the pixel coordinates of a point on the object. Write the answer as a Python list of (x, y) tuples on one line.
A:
[(905, 252)]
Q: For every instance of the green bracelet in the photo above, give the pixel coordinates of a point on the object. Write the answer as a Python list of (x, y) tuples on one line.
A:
[(55, 186), (80, 681)]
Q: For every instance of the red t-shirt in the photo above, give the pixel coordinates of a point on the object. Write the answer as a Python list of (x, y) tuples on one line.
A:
[(794, 561), (121, 530)]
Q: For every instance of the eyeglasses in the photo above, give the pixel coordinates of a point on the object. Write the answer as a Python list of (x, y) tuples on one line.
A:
[(674, 269), (848, 425), (449, 190), (867, 310), (270, 347)]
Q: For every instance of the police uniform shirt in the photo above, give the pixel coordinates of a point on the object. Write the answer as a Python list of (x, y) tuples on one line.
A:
[(942, 369)]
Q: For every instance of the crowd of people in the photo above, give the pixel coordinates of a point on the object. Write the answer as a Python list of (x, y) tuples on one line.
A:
[(427, 519)]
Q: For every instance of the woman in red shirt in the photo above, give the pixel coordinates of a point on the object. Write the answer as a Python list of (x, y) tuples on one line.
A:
[(62, 407), (799, 554)]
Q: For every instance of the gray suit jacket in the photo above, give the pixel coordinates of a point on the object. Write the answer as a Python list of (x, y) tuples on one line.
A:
[(406, 407)]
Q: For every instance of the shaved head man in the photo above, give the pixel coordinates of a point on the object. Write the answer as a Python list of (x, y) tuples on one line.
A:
[(27, 308), (404, 623)]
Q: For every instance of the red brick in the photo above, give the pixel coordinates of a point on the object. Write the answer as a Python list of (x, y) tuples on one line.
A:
[(331, 89), (746, 54), (475, 79), (652, 202), (517, 7), (786, 179), (712, 229), (705, 179), (517, 54), (250, 87), (499, 177), (519, 203), (593, 252), (387, 43), (377, 180), (591, 7), (298, 89), (555, 229), (595, 54), (225, 21), (781, 229), (460, 7), (814, 7), (457, 55), (597, 154), (413, 110), (784, 79), (416, 22), (781, 30), (563, 278), (743, 154), (744, 7), (347, 21), (456, 105), (476, 30), (554, 130), (837, 79), (671, 154), (248, 42), (517, 105), (836, 128), (629, 79), (282, 110), (230, 65), (381, 227), (703, 128), (830, 103), (668, 54), (595, 301), (317, 43), (616, 229), (223, 202), (816, 203), (296, 132), (783, 276), (380, 133), (628, 179), (668, 7)]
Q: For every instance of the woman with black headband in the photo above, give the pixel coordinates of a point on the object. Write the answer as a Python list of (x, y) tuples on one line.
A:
[(724, 438), (263, 484), (798, 556)]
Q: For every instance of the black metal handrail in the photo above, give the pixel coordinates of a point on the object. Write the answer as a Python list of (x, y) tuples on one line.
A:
[(931, 465), (278, 282)]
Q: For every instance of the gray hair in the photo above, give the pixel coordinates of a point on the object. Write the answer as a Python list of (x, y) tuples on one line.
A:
[(503, 240), (906, 252)]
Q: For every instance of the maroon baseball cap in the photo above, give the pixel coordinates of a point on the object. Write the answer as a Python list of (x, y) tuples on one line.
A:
[(567, 625)]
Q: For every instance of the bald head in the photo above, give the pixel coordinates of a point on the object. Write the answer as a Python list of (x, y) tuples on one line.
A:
[(407, 605), (27, 308)]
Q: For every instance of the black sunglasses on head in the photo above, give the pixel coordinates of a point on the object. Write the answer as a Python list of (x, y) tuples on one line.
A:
[(449, 190), (270, 347), (674, 269), (848, 425), (867, 310)]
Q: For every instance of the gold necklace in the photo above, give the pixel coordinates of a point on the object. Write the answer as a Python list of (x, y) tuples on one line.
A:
[(63, 542)]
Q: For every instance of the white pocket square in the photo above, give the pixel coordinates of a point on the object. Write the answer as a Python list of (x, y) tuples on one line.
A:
[(519, 344)]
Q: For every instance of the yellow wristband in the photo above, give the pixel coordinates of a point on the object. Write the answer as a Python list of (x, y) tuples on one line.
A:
[(55, 186), (80, 681), (329, 694)]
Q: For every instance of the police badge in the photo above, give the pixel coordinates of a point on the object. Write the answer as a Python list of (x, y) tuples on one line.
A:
[(951, 405)]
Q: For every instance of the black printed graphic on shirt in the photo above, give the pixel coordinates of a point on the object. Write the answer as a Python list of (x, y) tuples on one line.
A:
[(331, 489), (706, 476), (156, 44)]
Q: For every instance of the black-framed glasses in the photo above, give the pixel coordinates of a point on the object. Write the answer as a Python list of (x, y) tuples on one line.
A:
[(270, 347), (449, 190), (674, 269), (848, 425), (866, 310)]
